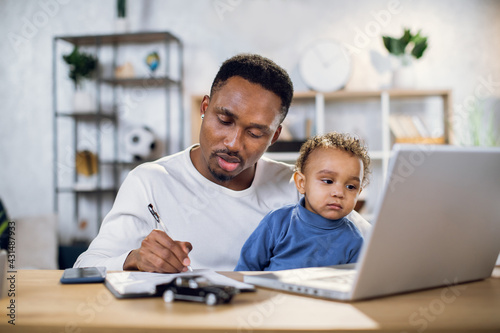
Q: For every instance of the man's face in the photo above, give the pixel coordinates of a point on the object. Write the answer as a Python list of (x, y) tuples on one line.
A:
[(240, 121), (331, 182)]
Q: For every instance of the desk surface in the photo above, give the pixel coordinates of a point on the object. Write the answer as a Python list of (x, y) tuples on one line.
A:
[(42, 304)]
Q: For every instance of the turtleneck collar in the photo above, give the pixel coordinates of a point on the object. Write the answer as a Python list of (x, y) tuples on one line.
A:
[(317, 220)]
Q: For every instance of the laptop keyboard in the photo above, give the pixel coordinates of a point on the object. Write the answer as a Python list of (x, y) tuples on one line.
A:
[(347, 278)]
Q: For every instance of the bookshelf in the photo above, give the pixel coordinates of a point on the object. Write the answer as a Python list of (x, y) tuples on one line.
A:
[(383, 109), (82, 200)]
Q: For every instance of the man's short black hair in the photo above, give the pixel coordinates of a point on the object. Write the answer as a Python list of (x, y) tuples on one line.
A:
[(259, 70)]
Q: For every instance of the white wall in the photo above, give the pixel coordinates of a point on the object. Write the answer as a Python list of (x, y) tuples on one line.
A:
[(463, 55)]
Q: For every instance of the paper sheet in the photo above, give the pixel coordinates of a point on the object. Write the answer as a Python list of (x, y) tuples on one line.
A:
[(129, 283)]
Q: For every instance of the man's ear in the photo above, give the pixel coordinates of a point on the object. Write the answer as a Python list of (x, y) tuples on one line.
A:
[(300, 181), (204, 105), (276, 134)]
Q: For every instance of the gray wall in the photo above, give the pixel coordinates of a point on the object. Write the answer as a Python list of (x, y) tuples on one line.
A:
[(463, 55)]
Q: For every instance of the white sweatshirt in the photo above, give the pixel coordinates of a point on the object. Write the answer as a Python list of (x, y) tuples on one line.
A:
[(214, 219)]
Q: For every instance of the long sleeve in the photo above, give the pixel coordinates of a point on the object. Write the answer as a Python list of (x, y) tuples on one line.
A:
[(122, 230), (294, 237), (257, 250)]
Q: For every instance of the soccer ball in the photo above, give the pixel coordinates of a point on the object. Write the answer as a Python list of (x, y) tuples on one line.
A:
[(140, 142)]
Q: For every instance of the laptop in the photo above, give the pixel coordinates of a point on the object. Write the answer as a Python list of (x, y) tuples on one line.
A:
[(437, 223)]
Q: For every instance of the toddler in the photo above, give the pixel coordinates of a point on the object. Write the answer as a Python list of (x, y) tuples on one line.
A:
[(331, 172)]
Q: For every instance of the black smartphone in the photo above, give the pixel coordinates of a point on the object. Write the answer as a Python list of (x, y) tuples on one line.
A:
[(84, 275)]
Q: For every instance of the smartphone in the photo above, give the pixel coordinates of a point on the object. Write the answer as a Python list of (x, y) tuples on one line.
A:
[(83, 275)]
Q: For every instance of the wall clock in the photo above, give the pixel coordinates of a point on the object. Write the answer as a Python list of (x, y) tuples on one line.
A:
[(325, 67)]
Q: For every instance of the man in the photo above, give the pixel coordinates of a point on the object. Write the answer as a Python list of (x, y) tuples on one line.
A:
[(212, 195)]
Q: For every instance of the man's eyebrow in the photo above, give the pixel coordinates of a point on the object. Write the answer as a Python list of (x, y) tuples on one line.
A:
[(261, 127), (330, 172), (227, 112)]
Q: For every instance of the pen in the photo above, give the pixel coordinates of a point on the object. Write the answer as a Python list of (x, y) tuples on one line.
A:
[(158, 219)]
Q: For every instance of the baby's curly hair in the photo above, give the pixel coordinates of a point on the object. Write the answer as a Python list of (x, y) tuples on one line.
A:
[(341, 141)]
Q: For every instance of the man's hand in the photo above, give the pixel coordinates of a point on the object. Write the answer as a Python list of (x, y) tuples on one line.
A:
[(159, 253)]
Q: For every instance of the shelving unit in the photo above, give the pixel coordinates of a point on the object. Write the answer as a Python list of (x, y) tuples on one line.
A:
[(100, 129), (383, 99)]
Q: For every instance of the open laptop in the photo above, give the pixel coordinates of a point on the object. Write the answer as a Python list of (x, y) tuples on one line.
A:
[(437, 223)]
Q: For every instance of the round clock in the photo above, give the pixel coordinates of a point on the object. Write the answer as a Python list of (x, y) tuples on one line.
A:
[(325, 67)]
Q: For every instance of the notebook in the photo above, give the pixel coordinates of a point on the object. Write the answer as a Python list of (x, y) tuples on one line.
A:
[(437, 223), (143, 284)]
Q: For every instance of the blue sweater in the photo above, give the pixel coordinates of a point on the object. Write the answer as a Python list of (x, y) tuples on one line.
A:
[(294, 237)]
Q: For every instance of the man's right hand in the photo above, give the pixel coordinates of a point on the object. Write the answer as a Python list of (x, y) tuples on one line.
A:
[(159, 253)]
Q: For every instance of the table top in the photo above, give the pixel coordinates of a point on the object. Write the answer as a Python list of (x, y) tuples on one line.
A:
[(42, 304)]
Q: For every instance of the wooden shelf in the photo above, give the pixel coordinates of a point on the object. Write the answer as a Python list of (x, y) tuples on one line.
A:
[(419, 140), (361, 94), (90, 115), (85, 189), (132, 38), (142, 81)]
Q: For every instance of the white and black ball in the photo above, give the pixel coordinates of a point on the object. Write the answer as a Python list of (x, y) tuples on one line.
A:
[(140, 142)]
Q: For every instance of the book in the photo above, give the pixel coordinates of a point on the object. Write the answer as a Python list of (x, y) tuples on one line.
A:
[(406, 126), (409, 126), (419, 124), (396, 127), (143, 284)]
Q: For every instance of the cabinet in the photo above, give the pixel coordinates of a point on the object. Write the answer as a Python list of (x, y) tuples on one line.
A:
[(367, 114), (94, 138)]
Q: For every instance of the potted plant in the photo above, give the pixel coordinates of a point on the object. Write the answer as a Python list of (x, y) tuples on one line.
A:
[(81, 66), (121, 20), (404, 50)]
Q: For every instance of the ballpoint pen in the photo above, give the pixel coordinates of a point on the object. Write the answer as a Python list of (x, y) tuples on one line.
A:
[(158, 219)]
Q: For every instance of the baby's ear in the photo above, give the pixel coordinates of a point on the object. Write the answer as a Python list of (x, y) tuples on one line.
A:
[(300, 181)]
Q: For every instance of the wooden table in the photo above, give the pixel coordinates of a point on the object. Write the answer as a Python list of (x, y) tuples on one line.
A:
[(42, 304)]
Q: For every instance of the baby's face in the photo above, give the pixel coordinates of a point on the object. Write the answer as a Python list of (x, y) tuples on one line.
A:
[(331, 182)]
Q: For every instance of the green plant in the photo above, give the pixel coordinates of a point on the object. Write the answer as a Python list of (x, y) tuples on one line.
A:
[(81, 65), (121, 6), (408, 44), (481, 127)]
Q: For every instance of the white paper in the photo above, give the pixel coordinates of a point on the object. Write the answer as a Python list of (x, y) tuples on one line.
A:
[(143, 282)]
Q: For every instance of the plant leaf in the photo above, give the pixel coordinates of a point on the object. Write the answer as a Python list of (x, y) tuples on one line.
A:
[(404, 40), (387, 43), (393, 45), (419, 48), (407, 36), (399, 46), (81, 65)]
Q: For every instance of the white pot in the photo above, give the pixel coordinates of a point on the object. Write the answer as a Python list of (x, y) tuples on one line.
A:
[(403, 77), (121, 25), (83, 102)]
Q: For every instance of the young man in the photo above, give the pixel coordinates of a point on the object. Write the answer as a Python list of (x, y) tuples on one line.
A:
[(212, 195)]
